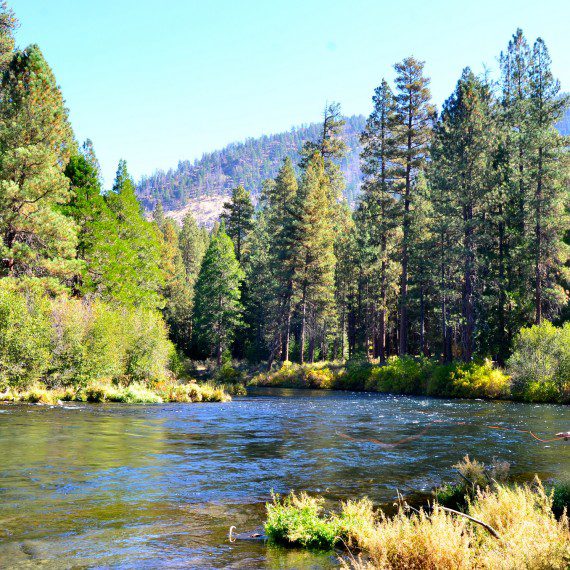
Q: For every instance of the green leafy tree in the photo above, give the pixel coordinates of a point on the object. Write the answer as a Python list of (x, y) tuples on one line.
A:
[(218, 307)]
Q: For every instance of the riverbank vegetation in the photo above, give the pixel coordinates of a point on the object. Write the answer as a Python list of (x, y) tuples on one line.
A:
[(457, 245), (506, 526)]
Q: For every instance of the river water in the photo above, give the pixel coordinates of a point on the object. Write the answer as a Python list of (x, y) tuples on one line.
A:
[(158, 486)]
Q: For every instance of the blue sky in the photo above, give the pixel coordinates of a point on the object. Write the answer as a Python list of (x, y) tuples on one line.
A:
[(157, 82)]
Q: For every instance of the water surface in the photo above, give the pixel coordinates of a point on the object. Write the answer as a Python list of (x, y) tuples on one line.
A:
[(134, 486)]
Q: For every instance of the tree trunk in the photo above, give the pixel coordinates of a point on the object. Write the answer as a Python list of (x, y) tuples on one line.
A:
[(538, 232), (303, 323), (468, 314), (405, 237)]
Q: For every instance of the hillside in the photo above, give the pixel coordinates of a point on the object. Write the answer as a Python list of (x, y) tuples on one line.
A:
[(248, 163), (202, 185)]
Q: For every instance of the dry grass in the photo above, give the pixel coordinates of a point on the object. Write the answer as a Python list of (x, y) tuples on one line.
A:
[(530, 536), (104, 390)]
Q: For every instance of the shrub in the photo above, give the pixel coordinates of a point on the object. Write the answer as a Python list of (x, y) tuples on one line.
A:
[(529, 534), (24, 334), (355, 376), (300, 519), (400, 375), (468, 380), (540, 363), (320, 378), (560, 491)]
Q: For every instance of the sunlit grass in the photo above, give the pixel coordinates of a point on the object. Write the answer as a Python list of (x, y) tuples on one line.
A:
[(530, 535), (104, 390)]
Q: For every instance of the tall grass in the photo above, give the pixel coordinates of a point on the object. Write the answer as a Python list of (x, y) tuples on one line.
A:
[(530, 536)]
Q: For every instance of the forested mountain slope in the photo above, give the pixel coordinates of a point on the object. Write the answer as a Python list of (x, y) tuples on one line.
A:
[(202, 185), (248, 163)]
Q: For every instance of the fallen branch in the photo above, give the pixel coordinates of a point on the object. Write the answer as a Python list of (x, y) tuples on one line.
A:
[(490, 529)]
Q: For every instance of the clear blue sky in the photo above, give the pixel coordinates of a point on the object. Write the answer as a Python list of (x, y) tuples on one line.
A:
[(156, 82)]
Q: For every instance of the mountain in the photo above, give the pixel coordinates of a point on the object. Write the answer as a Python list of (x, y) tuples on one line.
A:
[(564, 124), (207, 181), (203, 185)]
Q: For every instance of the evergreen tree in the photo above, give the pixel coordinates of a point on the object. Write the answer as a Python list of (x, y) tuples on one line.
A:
[(8, 23), (465, 142), (132, 272), (178, 288), (412, 126), (314, 254), (548, 148), (193, 244), (218, 307), (35, 145), (238, 215), (378, 211), (281, 204)]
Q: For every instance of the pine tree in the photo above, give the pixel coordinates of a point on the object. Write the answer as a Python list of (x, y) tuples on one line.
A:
[(193, 244), (8, 23), (95, 222), (547, 178), (413, 124), (238, 215), (281, 204), (35, 145), (218, 307), (465, 141), (178, 289), (314, 253), (131, 272), (378, 210)]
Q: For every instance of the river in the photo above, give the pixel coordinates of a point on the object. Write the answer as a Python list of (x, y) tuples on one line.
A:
[(135, 486)]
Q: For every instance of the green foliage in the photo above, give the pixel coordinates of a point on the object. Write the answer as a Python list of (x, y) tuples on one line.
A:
[(24, 335), (540, 363), (469, 380), (301, 520), (218, 305), (35, 143), (399, 375), (238, 215), (68, 342), (560, 497)]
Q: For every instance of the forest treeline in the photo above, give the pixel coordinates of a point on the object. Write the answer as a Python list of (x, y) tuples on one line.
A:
[(457, 241)]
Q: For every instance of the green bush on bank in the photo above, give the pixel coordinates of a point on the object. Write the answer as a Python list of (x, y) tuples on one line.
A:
[(61, 341), (540, 363), (399, 375)]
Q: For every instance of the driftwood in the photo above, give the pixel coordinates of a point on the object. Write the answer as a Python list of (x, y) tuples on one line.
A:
[(487, 527)]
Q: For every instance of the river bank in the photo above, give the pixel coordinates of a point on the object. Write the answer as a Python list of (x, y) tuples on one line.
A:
[(415, 376), (108, 391)]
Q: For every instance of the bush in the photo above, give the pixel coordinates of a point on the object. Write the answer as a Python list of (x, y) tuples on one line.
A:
[(24, 335), (300, 519), (400, 375), (530, 536), (468, 380), (69, 342), (540, 363)]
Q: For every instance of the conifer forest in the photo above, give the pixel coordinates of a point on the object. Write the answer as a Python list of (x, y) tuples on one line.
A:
[(411, 263)]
